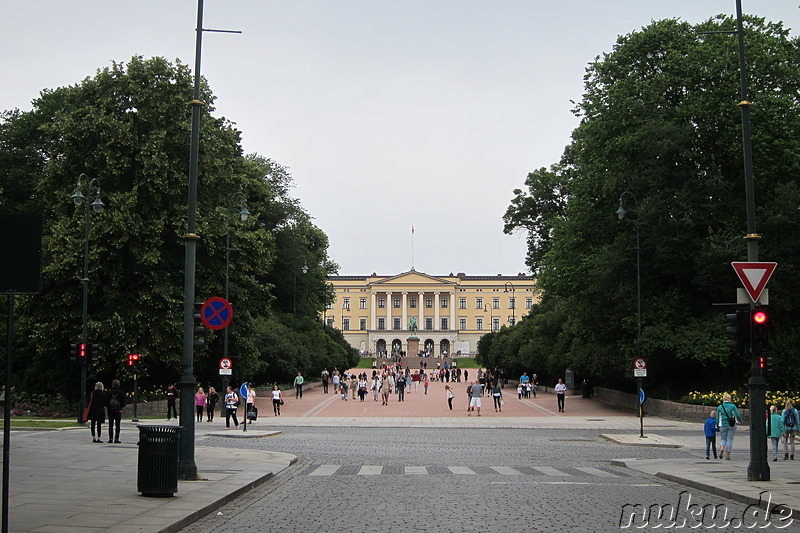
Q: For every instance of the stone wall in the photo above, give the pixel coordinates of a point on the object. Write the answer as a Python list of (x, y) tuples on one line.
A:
[(662, 408)]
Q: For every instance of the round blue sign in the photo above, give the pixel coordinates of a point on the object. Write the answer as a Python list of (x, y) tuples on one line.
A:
[(641, 396)]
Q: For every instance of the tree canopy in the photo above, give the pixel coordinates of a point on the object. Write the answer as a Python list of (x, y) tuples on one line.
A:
[(128, 127), (660, 130)]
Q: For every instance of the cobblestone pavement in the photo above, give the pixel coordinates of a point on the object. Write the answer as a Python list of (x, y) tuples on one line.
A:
[(446, 480)]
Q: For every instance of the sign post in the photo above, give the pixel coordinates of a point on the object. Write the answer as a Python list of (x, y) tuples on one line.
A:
[(639, 372)]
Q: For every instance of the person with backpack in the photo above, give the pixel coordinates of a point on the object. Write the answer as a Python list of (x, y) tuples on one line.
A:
[(115, 405), (774, 429), (727, 417), (790, 427), (231, 405)]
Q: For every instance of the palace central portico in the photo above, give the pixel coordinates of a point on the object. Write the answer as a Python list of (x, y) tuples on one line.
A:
[(450, 312)]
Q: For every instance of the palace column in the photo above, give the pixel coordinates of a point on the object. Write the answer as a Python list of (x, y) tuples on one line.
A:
[(404, 323), (436, 302), (452, 311), (388, 310), (373, 305), (421, 307)]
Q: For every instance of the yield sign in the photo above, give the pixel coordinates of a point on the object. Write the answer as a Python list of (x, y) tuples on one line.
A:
[(754, 276)]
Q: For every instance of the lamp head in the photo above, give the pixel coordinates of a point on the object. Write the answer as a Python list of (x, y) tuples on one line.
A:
[(244, 213), (305, 268), (98, 204), (621, 211), (77, 196)]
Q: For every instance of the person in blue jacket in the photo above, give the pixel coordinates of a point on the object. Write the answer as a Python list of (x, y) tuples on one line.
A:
[(774, 429), (711, 430), (727, 418), (791, 424)]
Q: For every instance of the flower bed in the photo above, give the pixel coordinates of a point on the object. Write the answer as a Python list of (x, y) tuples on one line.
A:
[(740, 399)]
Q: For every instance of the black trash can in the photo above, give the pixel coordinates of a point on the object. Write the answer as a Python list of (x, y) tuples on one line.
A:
[(158, 460)]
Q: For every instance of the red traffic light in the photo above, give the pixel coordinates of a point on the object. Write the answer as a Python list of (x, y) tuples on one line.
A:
[(82, 351), (133, 359), (760, 317)]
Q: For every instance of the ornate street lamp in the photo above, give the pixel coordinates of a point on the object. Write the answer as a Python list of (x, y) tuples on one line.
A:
[(97, 205), (506, 285)]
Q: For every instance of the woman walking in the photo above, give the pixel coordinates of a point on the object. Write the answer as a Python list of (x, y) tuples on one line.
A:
[(727, 417), (231, 405), (497, 394), (97, 410), (277, 400), (790, 427), (199, 403), (449, 392), (212, 398)]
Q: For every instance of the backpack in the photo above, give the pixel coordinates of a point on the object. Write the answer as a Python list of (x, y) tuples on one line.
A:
[(114, 403), (789, 419)]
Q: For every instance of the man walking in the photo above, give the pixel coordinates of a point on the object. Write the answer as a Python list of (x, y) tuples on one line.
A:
[(116, 402), (475, 398), (298, 386), (325, 375)]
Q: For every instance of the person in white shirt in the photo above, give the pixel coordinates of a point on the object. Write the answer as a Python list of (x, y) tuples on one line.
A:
[(561, 390)]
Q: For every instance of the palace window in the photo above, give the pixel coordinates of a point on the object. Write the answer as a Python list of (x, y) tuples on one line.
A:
[(397, 303), (381, 303), (381, 323), (362, 324), (495, 303), (396, 323), (495, 324), (528, 303), (479, 324), (462, 303), (444, 302), (346, 304), (412, 302), (428, 303), (428, 323), (462, 323), (362, 303), (346, 324), (478, 303), (330, 321), (444, 323), (512, 303)]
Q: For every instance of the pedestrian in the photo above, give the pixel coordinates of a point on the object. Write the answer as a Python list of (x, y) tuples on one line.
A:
[(519, 391), (774, 429), (727, 416), (116, 403), (277, 400), (199, 403), (710, 429), (324, 376), (475, 398), (344, 385), (790, 427), (497, 395), (466, 375), (524, 379), (251, 411), (231, 405), (97, 411), (376, 387), (386, 389), (469, 395), (335, 381), (353, 386), (212, 398), (535, 384), (171, 395), (362, 387), (561, 391), (298, 386), (425, 383), (449, 392), (401, 388)]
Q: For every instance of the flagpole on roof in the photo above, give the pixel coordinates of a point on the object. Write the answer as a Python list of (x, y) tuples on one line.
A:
[(412, 245)]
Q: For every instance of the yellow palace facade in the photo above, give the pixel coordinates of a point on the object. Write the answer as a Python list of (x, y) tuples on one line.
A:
[(376, 314)]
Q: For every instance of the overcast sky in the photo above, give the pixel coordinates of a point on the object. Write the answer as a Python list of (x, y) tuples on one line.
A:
[(387, 113)]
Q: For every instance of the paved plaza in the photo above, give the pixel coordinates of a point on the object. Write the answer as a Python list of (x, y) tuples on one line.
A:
[(62, 482)]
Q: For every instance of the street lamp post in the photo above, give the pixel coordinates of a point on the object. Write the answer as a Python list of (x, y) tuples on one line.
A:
[(487, 308), (97, 205), (506, 285), (294, 288), (243, 215), (621, 214)]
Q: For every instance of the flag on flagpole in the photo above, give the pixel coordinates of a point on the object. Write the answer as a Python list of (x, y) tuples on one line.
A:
[(412, 228)]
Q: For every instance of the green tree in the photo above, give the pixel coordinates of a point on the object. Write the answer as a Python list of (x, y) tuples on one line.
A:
[(659, 119), (128, 126)]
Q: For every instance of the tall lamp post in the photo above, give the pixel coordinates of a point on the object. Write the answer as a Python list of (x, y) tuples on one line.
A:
[(243, 215), (621, 214), (487, 308), (506, 285), (97, 205), (294, 288)]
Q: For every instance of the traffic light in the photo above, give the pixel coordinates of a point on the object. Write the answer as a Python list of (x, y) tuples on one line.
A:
[(739, 330), (73, 351), (94, 351), (199, 330), (760, 322), (83, 353), (133, 359)]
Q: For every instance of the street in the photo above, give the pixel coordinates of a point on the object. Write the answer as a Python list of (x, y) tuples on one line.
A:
[(442, 480)]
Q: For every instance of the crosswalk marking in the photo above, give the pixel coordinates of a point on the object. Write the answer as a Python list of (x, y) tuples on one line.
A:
[(370, 470), (550, 471), (595, 471), (506, 470), (416, 470), (325, 470), (461, 470)]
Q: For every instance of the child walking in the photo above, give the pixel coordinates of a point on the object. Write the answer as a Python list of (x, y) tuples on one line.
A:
[(774, 429), (711, 430)]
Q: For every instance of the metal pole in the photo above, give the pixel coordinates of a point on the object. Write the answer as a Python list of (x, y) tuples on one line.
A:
[(758, 468), (225, 378), (187, 469), (85, 314), (135, 397), (7, 409)]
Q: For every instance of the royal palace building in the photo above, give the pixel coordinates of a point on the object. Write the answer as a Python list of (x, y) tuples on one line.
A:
[(436, 315)]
